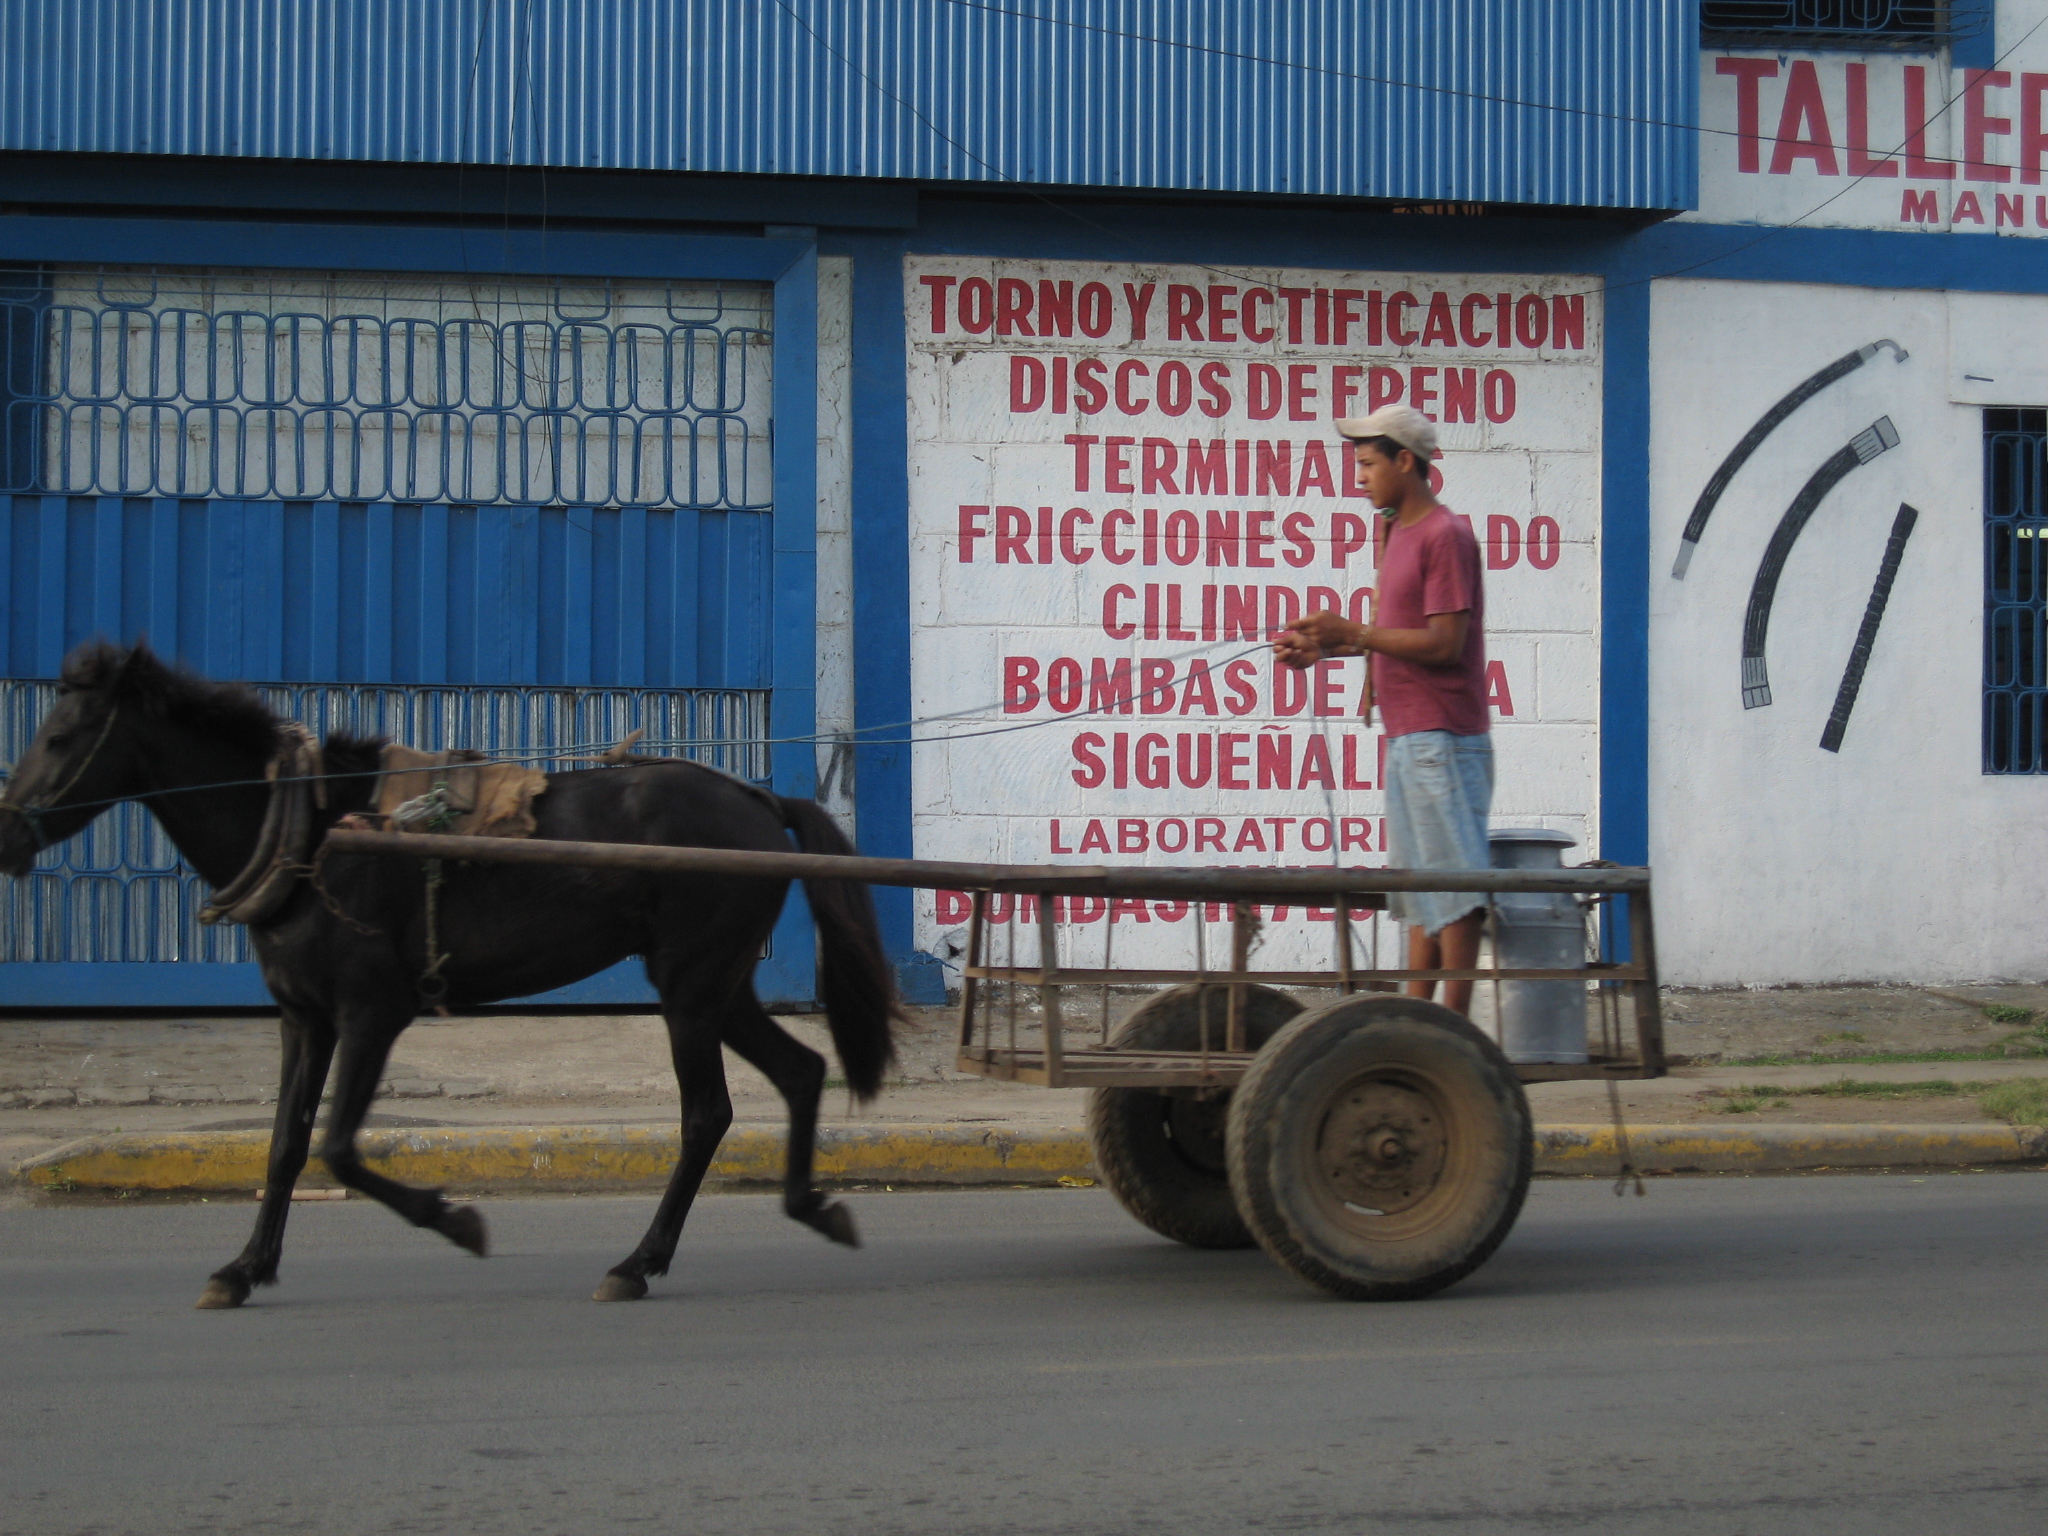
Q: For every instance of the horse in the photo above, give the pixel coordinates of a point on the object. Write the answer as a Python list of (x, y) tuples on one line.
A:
[(345, 941)]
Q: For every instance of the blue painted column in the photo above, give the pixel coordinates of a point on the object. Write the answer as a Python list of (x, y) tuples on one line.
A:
[(1625, 582), (881, 591), (789, 973)]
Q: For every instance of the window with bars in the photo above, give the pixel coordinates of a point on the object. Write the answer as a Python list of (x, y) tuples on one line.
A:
[(1843, 23), (384, 387), (2016, 591)]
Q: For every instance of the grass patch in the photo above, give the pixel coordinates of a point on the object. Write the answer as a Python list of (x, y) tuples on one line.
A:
[(1869, 1058), (2018, 1103), (2030, 1043), (1927, 1088), (2021, 1103)]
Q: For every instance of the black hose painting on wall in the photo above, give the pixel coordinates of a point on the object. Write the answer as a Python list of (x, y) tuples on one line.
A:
[(1879, 437), (1766, 424), (1866, 633), (1860, 449)]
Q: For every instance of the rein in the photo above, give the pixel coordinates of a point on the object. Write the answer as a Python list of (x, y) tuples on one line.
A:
[(32, 815)]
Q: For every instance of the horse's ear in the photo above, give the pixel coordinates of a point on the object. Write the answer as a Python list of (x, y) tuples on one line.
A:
[(140, 670), (94, 667)]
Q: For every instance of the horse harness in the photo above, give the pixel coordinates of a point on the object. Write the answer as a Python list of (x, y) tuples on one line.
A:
[(297, 782), (32, 815), (297, 785)]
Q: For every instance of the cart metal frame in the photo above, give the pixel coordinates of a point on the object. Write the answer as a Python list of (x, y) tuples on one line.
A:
[(1053, 1063)]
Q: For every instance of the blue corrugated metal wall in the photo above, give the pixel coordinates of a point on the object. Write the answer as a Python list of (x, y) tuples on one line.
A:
[(354, 592), (1568, 102), (498, 622)]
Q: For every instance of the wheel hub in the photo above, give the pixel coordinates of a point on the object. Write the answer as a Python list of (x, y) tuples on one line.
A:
[(1197, 1128), (1382, 1147)]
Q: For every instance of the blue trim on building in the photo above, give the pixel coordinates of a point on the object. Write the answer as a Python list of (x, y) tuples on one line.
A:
[(494, 194), (1979, 51), (24, 291), (393, 247), (121, 985), (789, 972), (881, 593), (1625, 577)]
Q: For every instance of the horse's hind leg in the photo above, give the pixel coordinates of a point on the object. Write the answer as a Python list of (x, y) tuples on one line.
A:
[(365, 1043), (707, 1115), (308, 1048), (798, 1073)]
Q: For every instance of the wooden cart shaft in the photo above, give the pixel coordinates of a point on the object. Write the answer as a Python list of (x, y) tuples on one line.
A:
[(1344, 890)]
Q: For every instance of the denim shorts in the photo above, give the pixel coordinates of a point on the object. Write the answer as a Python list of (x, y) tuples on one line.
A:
[(1439, 796)]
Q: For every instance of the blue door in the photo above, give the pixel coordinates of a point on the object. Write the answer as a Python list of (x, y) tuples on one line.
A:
[(513, 516)]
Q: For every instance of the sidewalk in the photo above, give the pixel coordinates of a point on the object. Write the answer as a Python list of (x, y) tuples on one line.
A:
[(589, 1079)]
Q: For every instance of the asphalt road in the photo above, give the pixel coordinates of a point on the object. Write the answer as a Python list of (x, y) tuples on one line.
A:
[(1725, 1356)]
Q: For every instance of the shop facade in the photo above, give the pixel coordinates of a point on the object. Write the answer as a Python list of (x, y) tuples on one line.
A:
[(885, 402)]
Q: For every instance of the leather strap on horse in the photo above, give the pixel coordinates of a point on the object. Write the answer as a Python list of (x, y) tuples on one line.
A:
[(285, 837)]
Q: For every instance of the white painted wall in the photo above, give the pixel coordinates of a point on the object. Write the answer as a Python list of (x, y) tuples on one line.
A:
[(1800, 164), (1897, 859), (1015, 797), (835, 534)]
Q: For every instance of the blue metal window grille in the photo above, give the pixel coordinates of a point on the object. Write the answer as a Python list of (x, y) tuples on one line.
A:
[(1861, 23), (119, 892), (275, 386), (518, 515), (2016, 591)]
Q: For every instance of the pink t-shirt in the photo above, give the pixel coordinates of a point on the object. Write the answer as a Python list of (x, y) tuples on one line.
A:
[(1432, 567)]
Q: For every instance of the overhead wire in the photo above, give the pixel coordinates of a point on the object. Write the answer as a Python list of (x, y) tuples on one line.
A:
[(592, 750)]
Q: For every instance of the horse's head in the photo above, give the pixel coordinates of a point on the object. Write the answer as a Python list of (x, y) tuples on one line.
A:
[(91, 749)]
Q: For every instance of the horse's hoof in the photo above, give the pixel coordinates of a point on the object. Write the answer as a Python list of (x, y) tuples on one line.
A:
[(620, 1288), (836, 1222), (221, 1293), (463, 1226)]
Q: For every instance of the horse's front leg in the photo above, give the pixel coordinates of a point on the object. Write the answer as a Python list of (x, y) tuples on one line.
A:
[(308, 1048), (707, 1115), (365, 1043)]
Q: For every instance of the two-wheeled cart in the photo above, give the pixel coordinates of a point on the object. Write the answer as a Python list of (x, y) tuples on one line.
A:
[(1377, 1145)]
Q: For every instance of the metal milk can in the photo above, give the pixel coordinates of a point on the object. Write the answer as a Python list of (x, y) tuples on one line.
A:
[(1540, 1021)]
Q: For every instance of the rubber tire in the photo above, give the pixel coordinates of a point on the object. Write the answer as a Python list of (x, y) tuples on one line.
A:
[(1414, 1053), (1178, 1184)]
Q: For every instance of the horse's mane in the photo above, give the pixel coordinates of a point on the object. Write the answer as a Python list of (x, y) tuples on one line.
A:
[(231, 711)]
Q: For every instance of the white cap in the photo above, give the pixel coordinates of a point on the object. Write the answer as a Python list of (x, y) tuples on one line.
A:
[(1403, 423)]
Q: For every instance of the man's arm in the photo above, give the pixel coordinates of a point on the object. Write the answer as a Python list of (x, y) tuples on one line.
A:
[(1307, 641)]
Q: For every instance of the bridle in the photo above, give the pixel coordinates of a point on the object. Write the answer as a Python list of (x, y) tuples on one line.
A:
[(32, 815)]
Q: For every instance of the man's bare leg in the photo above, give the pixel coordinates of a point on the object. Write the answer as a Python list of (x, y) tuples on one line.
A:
[(1455, 948)]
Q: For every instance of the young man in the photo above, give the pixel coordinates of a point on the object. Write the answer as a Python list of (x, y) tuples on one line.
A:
[(1427, 650)]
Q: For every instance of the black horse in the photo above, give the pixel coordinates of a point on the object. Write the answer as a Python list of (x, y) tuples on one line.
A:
[(345, 948)]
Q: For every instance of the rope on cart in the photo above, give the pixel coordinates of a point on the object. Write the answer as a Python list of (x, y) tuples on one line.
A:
[(1628, 1166)]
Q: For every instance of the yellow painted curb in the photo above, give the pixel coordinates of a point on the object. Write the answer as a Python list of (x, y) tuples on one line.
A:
[(603, 1157), (609, 1157), (1594, 1149)]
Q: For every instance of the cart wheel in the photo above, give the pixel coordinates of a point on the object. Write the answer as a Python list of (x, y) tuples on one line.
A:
[(1161, 1154), (1380, 1148)]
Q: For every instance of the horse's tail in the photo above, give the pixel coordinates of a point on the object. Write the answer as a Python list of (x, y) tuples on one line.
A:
[(853, 972)]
